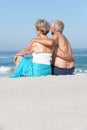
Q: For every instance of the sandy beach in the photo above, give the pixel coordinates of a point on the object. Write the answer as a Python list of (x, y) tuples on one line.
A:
[(44, 103)]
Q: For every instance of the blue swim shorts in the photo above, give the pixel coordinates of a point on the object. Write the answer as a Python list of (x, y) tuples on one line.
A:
[(62, 71)]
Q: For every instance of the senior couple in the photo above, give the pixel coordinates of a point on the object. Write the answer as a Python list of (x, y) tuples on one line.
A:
[(49, 55)]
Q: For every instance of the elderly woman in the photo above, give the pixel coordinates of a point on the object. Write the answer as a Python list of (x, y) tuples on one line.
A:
[(40, 62)]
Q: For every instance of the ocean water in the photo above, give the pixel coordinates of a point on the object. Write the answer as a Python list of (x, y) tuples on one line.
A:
[(7, 65), (80, 60)]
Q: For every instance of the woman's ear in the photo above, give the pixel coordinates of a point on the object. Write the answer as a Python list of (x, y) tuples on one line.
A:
[(52, 30)]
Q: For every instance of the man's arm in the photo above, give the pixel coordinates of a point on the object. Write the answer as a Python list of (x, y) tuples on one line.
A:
[(51, 42), (47, 42), (28, 49), (60, 53), (64, 55)]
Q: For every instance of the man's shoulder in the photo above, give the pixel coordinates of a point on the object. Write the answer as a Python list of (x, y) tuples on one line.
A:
[(54, 37)]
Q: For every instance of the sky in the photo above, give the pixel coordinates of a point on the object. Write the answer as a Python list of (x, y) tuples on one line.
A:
[(17, 19)]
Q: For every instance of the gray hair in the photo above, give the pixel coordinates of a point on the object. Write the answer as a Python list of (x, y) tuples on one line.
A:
[(58, 25), (43, 26)]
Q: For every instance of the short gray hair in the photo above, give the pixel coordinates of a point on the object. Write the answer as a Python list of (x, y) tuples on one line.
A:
[(43, 26), (58, 25)]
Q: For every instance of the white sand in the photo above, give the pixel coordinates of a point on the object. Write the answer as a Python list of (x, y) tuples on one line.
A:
[(44, 103)]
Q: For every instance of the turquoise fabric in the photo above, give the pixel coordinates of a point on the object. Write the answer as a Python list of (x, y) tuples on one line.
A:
[(28, 68)]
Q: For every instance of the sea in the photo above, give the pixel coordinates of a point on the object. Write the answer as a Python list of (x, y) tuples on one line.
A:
[(7, 65)]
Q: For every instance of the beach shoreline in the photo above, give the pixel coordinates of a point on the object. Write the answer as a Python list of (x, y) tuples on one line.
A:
[(44, 103)]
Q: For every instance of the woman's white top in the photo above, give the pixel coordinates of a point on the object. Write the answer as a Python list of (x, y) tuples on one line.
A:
[(42, 58)]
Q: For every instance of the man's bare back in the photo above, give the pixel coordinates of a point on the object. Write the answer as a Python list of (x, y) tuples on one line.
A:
[(61, 66), (64, 45)]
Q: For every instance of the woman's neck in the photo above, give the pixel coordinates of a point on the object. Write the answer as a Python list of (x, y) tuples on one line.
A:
[(43, 36)]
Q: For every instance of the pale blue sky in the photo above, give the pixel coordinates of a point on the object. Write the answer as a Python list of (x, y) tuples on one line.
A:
[(17, 18)]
